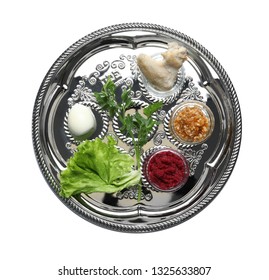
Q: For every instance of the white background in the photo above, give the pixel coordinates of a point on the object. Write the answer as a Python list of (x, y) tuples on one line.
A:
[(39, 234)]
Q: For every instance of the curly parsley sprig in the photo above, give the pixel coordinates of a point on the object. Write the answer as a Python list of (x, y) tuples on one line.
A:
[(136, 126)]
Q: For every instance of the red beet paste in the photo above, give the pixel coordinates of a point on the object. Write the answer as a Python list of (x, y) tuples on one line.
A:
[(166, 170)]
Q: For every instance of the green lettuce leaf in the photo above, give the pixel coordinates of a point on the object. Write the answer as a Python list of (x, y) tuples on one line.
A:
[(97, 166)]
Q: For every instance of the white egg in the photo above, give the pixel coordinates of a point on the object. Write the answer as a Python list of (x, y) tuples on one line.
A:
[(81, 121)]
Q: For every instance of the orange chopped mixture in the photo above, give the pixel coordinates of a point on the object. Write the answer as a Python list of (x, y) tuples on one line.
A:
[(191, 124)]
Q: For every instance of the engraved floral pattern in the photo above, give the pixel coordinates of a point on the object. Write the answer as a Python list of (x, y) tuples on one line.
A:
[(81, 93), (158, 138), (191, 92), (194, 157), (132, 193)]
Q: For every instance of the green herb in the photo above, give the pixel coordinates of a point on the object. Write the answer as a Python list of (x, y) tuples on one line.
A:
[(97, 166), (107, 99), (139, 127), (136, 126), (152, 108)]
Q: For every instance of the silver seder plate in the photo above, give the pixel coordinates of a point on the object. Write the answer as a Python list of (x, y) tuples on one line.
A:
[(82, 69)]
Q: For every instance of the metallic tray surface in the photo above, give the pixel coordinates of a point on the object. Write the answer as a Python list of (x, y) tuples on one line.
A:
[(111, 51)]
